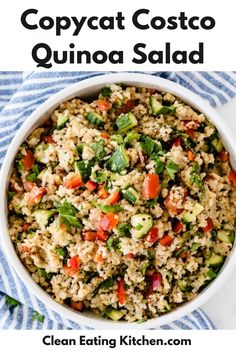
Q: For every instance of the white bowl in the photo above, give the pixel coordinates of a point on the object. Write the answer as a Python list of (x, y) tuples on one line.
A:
[(86, 88)]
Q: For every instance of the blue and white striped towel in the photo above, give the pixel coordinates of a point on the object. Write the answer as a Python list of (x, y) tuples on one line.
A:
[(20, 95)]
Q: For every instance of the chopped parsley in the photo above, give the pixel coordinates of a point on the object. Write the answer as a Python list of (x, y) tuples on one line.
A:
[(108, 208), (150, 147), (108, 283), (38, 317), (124, 230), (113, 243), (171, 169), (12, 303), (99, 177), (195, 175), (106, 91), (67, 213)]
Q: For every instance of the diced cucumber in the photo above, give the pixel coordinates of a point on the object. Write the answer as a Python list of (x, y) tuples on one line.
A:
[(79, 149), (205, 147), (20, 166), (144, 266), (183, 285), (131, 195), (158, 108), (215, 260), (191, 215), (211, 274), (118, 160), (141, 224), (39, 152), (42, 273), (40, 175), (130, 137), (155, 105), (118, 138), (62, 119), (225, 236), (195, 246), (217, 144), (126, 121), (42, 217), (95, 118), (115, 315), (61, 251), (85, 169)]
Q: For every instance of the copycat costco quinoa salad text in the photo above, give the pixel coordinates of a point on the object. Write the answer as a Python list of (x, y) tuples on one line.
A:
[(45, 56)]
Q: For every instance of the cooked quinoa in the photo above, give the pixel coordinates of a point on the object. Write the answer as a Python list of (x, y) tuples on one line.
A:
[(124, 206)]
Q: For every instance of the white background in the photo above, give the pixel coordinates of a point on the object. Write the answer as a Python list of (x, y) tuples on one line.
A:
[(17, 42)]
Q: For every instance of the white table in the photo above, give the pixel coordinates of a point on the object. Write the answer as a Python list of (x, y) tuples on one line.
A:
[(221, 308)]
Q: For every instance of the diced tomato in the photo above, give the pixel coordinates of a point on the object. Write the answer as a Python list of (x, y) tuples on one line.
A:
[(114, 198), (70, 271), (155, 280), (99, 257), (232, 177), (90, 235), (171, 205), (121, 291), (28, 160), (77, 305), (102, 192), (28, 186), (152, 91), (177, 226), (151, 186), (25, 249), (190, 133), (73, 182), (130, 255), (190, 155), (25, 227), (48, 139), (127, 106), (166, 240), (63, 227), (108, 221), (209, 226), (190, 124), (105, 135), (184, 255), (224, 156), (36, 195), (177, 142), (152, 236), (102, 235), (73, 263), (91, 185), (103, 105)]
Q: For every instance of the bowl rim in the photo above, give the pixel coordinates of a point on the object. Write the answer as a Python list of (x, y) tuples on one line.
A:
[(142, 80)]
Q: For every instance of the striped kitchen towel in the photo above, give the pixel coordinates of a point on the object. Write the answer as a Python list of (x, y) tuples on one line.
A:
[(20, 95)]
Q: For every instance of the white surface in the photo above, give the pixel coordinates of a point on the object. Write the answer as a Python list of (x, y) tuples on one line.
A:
[(221, 308), (90, 87)]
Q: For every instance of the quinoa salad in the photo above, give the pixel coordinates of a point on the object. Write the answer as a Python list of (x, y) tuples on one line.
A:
[(123, 206)]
